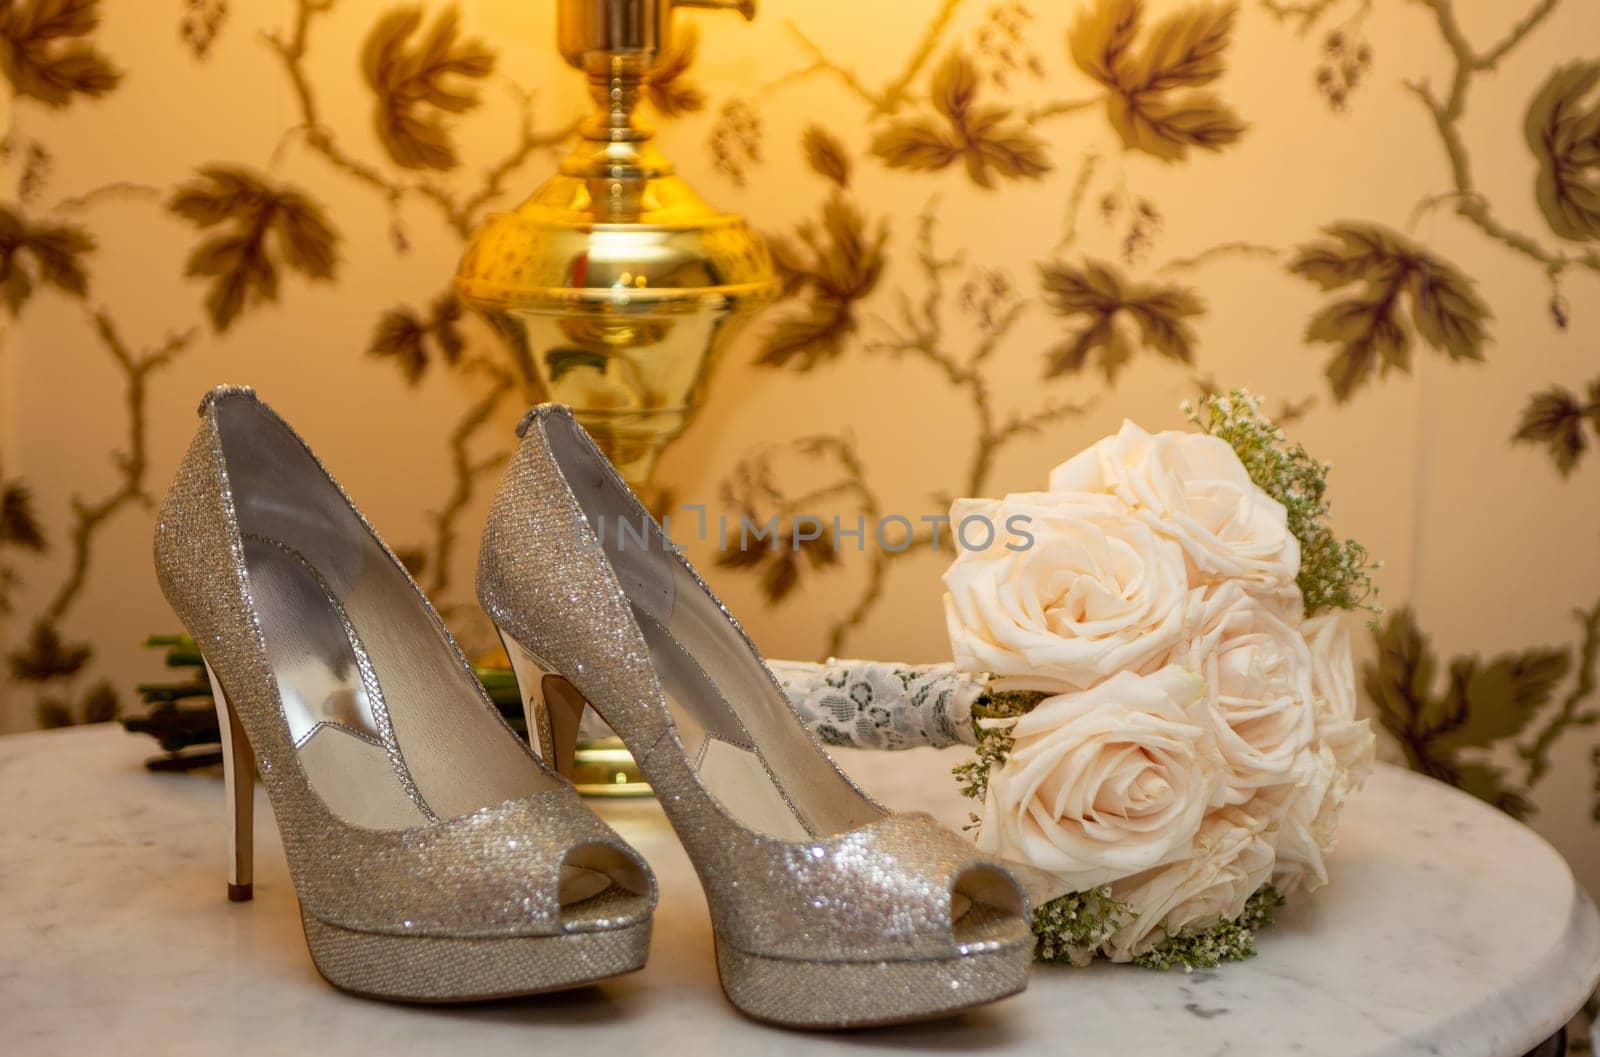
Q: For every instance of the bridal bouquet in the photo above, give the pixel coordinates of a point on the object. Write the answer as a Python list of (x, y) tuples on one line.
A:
[(1170, 728)]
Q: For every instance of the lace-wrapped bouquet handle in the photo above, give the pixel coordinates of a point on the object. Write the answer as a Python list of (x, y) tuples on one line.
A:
[(883, 705)]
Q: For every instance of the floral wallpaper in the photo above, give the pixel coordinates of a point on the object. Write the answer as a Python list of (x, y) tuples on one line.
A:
[(1001, 226)]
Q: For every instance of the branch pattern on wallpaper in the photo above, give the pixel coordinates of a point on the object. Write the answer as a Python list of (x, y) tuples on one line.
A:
[(1159, 80), (977, 101)]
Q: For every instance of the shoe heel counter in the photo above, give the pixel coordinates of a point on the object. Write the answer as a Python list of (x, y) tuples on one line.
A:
[(496, 579), (177, 545), (198, 560), (520, 549), (546, 583)]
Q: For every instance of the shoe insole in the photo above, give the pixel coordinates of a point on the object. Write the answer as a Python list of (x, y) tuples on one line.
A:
[(329, 705), (729, 766)]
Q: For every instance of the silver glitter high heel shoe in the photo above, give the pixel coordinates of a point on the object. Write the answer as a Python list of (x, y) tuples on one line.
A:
[(827, 909), (435, 858)]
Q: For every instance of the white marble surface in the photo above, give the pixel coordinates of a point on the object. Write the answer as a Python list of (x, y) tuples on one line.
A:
[(1448, 930)]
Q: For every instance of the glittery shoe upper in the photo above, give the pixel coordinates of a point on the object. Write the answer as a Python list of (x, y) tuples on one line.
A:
[(460, 831), (795, 860)]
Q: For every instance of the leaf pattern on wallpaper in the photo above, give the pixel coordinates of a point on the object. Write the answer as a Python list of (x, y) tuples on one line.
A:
[(735, 140), (99, 704), (779, 559), (1554, 419), (1484, 704), (1563, 129), (670, 90), (1155, 99), (411, 338), (826, 155), (19, 525), (418, 82), (986, 137), (44, 54), (788, 543), (830, 264), (45, 656), (256, 218), (32, 254), (1101, 301), (20, 530), (1369, 328), (201, 24)]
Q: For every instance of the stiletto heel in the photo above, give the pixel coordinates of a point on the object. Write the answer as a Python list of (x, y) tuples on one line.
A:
[(553, 707), (827, 910), (435, 858), (239, 792)]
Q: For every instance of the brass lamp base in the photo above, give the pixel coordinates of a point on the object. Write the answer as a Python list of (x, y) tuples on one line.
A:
[(614, 284)]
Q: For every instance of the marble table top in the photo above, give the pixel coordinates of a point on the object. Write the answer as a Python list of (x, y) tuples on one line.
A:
[(1448, 930)]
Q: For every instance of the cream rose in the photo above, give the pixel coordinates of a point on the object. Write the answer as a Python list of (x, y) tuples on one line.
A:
[(1333, 671), (1193, 488), (1229, 861), (1258, 673), (1306, 814), (1106, 782), (1297, 827), (1093, 592)]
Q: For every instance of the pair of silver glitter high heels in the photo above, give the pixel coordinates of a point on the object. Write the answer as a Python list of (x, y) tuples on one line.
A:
[(438, 858)]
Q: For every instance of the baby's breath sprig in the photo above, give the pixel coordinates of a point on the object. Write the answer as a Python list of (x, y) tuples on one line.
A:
[(994, 743), (1226, 941), (1334, 573), (1071, 928)]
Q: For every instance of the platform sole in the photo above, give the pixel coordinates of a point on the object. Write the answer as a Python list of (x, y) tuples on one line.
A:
[(437, 970), (839, 995)]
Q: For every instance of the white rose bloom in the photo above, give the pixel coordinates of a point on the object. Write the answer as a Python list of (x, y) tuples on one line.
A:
[(1193, 488), (1306, 813), (1095, 592), (1258, 673), (1333, 670), (1106, 782), (1294, 816), (1230, 860)]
